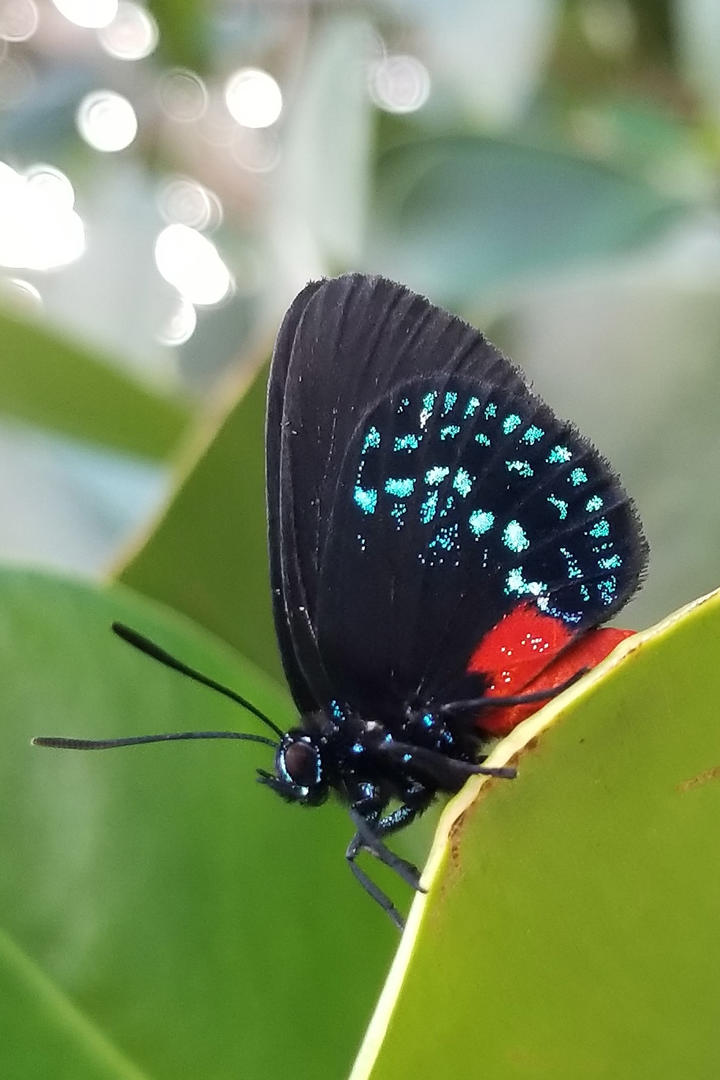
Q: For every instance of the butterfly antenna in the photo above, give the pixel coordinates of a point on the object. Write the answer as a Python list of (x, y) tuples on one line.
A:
[(58, 742), (144, 645)]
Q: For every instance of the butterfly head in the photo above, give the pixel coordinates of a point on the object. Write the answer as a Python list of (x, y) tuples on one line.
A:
[(299, 772)]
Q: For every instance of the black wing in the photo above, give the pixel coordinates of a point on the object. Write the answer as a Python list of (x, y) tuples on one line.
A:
[(418, 491)]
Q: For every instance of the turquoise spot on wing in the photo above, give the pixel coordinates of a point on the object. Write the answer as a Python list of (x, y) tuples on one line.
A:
[(450, 431), (578, 477), (510, 423), (436, 474), (614, 562), (482, 439), (607, 590), (600, 528), (490, 410), (533, 434), (481, 521), (406, 442), (450, 399), (429, 507), (366, 499), (514, 537), (574, 570), (558, 455), (463, 482), (471, 408), (401, 488), (428, 402), (523, 468), (595, 503), (445, 538), (560, 505), (516, 583), (372, 439)]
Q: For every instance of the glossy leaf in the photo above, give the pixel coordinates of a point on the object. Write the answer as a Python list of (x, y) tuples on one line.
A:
[(455, 215), (158, 906), (207, 556), (571, 921), (48, 381)]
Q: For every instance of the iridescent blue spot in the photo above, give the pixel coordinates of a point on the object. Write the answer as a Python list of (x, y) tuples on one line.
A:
[(516, 583), (510, 423), (600, 528), (574, 570), (406, 442), (429, 507), (595, 503), (450, 399), (514, 537), (372, 439), (614, 562), (336, 710), (585, 593), (558, 455), (607, 590), (428, 404), (436, 474), (406, 758), (521, 467), (357, 748), (578, 477), (403, 405), (445, 538), (401, 488), (428, 719), (533, 434), (366, 498), (449, 432), (398, 511), (463, 482), (472, 406), (482, 439), (490, 410), (481, 521), (560, 505)]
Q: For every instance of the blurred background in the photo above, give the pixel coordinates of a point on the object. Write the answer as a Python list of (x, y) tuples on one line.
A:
[(171, 173)]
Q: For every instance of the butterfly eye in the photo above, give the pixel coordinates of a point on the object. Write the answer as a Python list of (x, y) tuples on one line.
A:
[(300, 761)]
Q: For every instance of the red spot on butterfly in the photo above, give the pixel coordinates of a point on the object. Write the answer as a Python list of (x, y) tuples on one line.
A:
[(527, 651)]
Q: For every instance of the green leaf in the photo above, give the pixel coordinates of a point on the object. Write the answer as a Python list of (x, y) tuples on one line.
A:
[(207, 556), (159, 900), (571, 923), (48, 381), (455, 215)]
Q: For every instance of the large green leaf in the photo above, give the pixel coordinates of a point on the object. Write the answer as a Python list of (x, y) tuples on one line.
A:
[(571, 927), (157, 905), (455, 215), (48, 381), (207, 556)]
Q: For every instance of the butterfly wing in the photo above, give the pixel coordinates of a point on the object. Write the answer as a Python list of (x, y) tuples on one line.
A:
[(425, 495)]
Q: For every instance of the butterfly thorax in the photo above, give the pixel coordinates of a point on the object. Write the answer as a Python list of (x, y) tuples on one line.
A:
[(370, 762)]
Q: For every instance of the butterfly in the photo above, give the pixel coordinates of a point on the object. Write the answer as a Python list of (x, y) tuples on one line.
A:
[(443, 550)]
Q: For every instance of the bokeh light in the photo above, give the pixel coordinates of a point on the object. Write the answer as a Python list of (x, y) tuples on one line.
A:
[(191, 262), (256, 150), (183, 95), (20, 295), (18, 19), (106, 121), (399, 84), (253, 98), (91, 14), (186, 202), (132, 34), (180, 325), (39, 229)]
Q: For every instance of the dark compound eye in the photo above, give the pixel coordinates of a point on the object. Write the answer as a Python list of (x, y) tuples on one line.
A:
[(301, 763)]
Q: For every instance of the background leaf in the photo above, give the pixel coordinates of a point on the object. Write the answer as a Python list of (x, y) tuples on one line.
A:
[(571, 923), (148, 898), (207, 555)]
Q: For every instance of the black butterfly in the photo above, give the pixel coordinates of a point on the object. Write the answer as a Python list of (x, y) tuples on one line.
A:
[(442, 550)]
